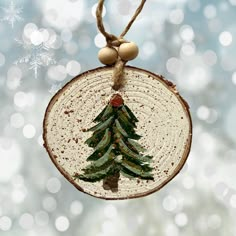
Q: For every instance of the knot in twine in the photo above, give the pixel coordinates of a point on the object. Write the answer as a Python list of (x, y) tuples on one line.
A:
[(114, 41)]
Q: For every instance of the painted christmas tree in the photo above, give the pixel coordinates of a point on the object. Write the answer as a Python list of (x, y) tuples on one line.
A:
[(116, 149)]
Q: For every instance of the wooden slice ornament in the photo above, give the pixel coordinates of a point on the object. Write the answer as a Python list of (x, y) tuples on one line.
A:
[(118, 132)]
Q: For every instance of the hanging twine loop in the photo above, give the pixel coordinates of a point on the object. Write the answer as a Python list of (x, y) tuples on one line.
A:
[(115, 42)]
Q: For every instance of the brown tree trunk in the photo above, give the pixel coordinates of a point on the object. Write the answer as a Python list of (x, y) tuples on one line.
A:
[(111, 182)]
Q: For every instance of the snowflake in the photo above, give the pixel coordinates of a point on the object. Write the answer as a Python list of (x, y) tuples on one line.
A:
[(54, 88), (12, 14), (38, 56)]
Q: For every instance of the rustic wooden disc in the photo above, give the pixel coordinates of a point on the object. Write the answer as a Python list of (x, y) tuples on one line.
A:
[(164, 123)]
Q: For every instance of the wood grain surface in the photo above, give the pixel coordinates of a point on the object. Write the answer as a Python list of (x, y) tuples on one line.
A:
[(164, 123)]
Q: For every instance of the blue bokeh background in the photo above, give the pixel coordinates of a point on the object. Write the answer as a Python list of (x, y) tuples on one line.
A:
[(45, 43)]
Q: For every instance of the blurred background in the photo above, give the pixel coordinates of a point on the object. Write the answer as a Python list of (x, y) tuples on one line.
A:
[(45, 43)]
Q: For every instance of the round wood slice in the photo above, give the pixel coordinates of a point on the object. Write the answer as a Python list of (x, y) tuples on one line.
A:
[(164, 123)]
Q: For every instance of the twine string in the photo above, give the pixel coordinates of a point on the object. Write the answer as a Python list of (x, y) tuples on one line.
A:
[(115, 41)]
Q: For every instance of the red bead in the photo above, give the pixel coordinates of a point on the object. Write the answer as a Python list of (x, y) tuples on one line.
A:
[(116, 100)]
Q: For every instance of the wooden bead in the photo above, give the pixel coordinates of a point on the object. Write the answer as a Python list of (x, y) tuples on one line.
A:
[(128, 51), (107, 56)]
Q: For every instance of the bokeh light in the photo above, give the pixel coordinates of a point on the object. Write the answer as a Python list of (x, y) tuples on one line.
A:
[(176, 16), (17, 120), (210, 11), (187, 33), (181, 219), (169, 203), (73, 68), (5, 223), (20, 99), (29, 131), (225, 38), (57, 14), (234, 77), (49, 204), (11, 159), (26, 221), (76, 208), (53, 185), (62, 223), (41, 218), (100, 41)]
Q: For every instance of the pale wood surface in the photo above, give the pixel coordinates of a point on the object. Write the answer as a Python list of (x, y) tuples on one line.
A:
[(164, 123)]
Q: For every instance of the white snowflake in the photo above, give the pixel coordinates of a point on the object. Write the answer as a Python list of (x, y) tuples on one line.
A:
[(12, 14), (54, 88), (37, 56)]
